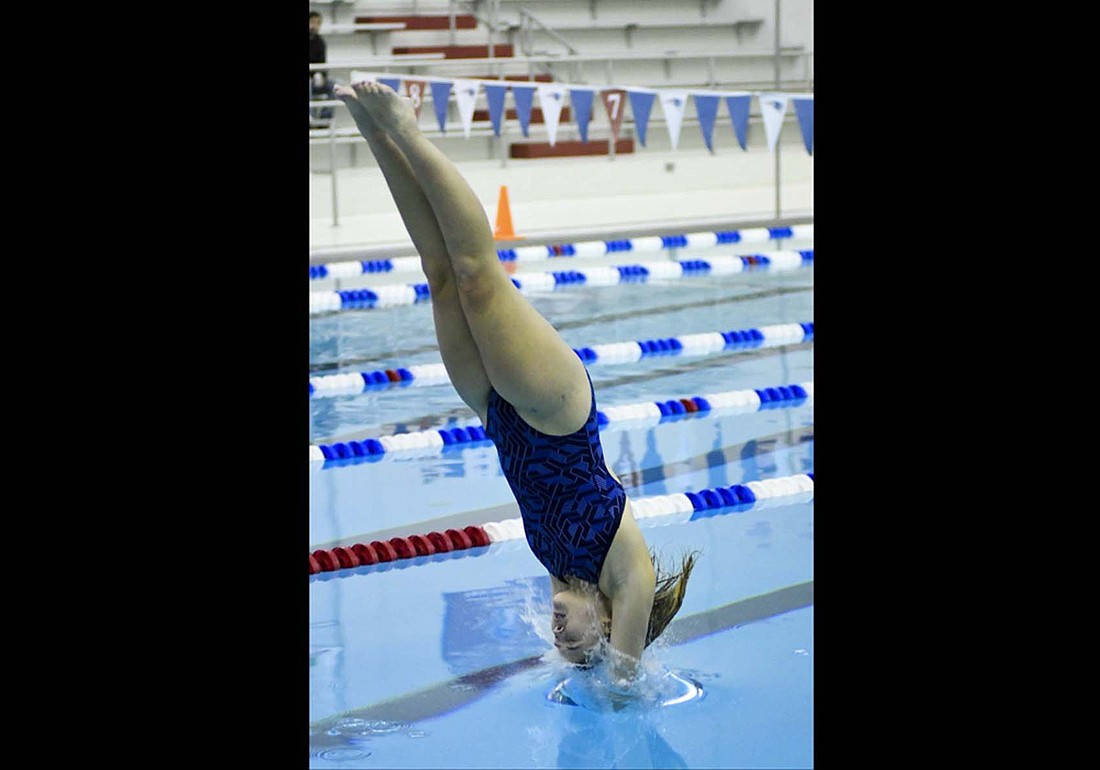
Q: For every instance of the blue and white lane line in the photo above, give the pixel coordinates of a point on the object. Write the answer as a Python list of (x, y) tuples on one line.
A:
[(354, 383), (408, 294), (647, 245), (430, 442), (689, 506)]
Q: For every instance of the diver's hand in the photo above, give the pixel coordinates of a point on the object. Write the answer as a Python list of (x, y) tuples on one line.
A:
[(624, 670), (622, 692)]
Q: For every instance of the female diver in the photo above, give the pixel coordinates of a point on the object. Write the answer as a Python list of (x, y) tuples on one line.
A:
[(534, 397)]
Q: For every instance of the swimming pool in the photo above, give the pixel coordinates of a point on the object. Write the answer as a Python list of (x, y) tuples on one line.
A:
[(444, 660)]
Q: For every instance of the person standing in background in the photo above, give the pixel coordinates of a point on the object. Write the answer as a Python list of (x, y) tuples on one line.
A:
[(320, 87)]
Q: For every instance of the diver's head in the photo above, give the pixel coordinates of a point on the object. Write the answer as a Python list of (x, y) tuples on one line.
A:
[(581, 619)]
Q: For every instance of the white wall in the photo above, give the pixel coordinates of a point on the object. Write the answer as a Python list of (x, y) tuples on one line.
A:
[(559, 195)]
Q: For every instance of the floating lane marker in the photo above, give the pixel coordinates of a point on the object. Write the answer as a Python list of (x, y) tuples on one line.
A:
[(655, 510), (354, 383), (368, 298), (431, 442), (353, 268)]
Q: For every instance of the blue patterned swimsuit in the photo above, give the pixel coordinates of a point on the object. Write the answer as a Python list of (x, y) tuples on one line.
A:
[(570, 503)]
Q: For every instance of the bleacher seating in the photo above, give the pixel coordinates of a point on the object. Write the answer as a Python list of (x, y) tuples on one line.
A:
[(710, 44)]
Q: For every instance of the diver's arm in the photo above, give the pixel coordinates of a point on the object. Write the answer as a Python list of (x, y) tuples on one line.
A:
[(629, 581), (630, 609)]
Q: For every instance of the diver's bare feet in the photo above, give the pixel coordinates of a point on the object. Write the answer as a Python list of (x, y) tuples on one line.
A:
[(363, 120), (387, 109)]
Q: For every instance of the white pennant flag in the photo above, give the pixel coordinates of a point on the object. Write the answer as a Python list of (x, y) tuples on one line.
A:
[(673, 103), (551, 98), (773, 107), (465, 96)]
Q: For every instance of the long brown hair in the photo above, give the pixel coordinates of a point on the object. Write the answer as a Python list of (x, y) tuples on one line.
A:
[(669, 593)]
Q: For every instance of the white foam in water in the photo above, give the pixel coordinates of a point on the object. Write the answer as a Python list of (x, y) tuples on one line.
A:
[(658, 687)]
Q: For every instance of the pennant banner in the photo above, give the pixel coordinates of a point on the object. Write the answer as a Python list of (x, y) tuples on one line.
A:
[(414, 89), (738, 107), (614, 101), (441, 93), (523, 96), (466, 95), (772, 109), (706, 107), (551, 98), (673, 103), (641, 102), (580, 99), (494, 94), (394, 83), (804, 108)]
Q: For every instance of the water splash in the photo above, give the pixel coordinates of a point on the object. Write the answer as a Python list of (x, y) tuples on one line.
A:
[(593, 689), (343, 755), (364, 728)]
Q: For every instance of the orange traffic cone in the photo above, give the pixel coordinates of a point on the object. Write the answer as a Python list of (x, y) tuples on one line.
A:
[(504, 231)]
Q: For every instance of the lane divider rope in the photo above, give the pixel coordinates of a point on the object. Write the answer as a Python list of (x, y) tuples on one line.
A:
[(670, 509), (421, 375), (432, 442), (368, 298), (353, 268)]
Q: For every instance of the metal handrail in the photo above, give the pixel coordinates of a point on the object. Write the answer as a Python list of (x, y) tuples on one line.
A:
[(525, 19)]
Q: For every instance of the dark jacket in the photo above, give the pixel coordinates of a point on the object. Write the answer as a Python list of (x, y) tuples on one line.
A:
[(318, 51)]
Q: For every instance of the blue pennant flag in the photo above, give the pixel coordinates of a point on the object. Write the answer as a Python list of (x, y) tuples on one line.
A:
[(805, 110), (524, 96), (706, 107), (581, 101), (739, 116), (441, 93), (495, 95), (394, 83), (641, 103)]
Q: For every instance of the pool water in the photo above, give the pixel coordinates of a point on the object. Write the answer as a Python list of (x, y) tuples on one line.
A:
[(445, 660)]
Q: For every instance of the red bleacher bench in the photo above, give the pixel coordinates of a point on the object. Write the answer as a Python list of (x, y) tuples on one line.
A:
[(568, 149), (536, 115), (462, 21), (503, 50)]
